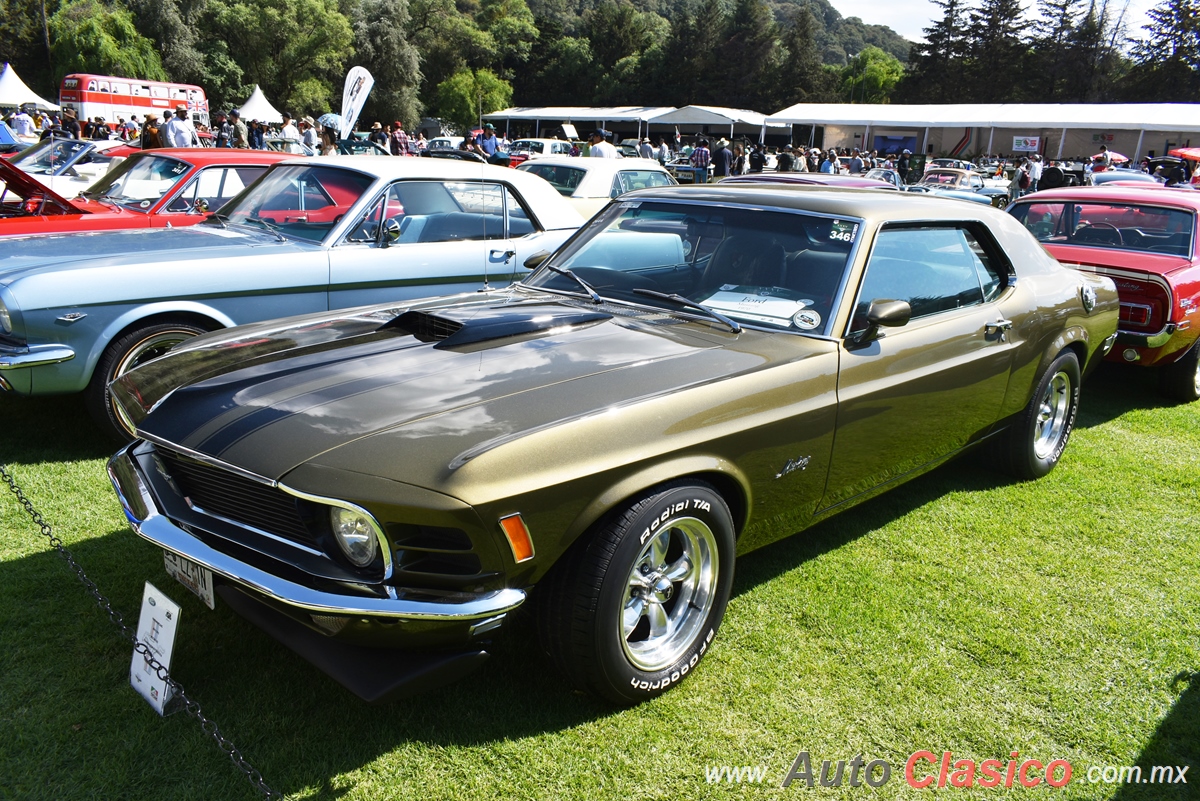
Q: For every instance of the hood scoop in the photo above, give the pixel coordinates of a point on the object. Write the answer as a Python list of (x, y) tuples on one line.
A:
[(451, 328)]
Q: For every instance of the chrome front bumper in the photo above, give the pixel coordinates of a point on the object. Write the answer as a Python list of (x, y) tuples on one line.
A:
[(147, 520), (33, 356)]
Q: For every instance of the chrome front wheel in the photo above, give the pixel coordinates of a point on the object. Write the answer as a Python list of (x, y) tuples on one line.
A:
[(671, 590)]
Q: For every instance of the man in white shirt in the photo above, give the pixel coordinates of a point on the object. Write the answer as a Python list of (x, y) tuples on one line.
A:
[(1035, 171), (180, 132), (289, 129), (600, 148), (22, 123)]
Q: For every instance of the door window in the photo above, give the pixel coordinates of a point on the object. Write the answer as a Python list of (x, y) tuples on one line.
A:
[(932, 269), (442, 211)]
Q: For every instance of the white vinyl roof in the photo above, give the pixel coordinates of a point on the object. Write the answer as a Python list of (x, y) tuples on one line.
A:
[(589, 113), (1124, 116)]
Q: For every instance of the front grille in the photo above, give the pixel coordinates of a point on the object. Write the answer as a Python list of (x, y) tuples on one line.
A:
[(238, 499), (427, 327)]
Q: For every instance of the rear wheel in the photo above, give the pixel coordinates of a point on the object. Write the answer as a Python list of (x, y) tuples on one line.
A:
[(632, 610), (122, 355), (1181, 381), (1034, 443)]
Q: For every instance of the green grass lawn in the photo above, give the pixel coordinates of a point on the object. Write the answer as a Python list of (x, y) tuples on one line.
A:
[(960, 612)]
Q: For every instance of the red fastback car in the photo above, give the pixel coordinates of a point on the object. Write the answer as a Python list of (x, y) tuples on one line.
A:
[(1146, 240), (150, 189)]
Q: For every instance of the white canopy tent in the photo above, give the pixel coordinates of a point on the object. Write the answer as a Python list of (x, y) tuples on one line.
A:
[(750, 121), (599, 116), (1084, 125), (259, 108), (14, 92)]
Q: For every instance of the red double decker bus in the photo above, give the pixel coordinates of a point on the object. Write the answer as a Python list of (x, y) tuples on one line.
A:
[(111, 97)]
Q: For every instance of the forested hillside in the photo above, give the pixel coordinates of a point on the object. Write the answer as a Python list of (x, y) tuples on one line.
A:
[(453, 58)]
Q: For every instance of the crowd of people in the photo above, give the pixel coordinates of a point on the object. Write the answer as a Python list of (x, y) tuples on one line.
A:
[(718, 158)]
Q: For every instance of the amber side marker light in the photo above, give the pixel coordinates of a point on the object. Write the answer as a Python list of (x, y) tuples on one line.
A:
[(518, 537)]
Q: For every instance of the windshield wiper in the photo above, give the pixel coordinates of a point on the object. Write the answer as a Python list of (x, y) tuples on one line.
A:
[(220, 218), (586, 286), (691, 304), (270, 227)]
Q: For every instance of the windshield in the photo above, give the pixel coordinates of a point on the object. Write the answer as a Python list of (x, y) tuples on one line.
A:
[(50, 156), (138, 183), (563, 178), (299, 200), (779, 269), (1119, 226)]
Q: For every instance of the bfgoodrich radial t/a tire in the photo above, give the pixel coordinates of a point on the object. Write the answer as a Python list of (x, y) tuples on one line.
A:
[(632, 610), (1034, 443), (122, 355)]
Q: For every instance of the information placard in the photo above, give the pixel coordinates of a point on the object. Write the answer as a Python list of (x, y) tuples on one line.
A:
[(156, 630)]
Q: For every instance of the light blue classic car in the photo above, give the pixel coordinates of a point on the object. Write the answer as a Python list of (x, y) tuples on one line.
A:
[(78, 310)]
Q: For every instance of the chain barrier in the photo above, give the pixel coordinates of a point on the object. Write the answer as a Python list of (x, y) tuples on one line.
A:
[(207, 725)]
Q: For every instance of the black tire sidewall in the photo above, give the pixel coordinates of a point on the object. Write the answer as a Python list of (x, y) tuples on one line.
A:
[(97, 397), (1039, 466), (622, 680)]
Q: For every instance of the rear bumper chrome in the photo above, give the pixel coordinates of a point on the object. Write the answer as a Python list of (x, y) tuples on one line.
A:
[(1156, 340), (148, 521)]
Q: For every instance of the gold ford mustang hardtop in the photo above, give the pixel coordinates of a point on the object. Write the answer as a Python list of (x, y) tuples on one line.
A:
[(699, 372)]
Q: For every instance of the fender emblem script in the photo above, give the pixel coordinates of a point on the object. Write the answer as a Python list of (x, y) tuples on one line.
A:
[(793, 465)]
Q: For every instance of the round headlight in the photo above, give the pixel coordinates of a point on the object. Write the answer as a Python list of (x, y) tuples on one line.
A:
[(355, 535)]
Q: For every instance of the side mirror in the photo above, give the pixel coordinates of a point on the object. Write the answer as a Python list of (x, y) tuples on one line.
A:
[(391, 232), (884, 314), (535, 260)]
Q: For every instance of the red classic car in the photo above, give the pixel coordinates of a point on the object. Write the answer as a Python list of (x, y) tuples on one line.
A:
[(150, 189), (1146, 240)]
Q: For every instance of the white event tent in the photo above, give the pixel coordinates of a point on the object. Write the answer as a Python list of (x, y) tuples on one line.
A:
[(259, 108), (1056, 130), (597, 117), (749, 122), (14, 92)]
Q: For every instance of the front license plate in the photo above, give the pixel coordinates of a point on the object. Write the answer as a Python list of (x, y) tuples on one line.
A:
[(195, 577)]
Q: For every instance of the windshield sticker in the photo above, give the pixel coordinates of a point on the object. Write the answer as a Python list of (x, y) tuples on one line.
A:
[(807, 319), (145, 204), (629, 204), (751, 303), (843, 231)]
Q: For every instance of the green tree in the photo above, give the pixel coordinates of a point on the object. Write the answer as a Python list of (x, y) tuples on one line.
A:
[(87, 36), (936, 67), (748, 54), (800, 76), (467, 94), (1054, 27), (996, 50), (382, 46), (1167, 60), (449, 41), (870, 76), (565, 76), (296, 50), (511, 26)]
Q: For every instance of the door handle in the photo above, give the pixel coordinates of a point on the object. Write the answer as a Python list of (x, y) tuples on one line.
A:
[(507, 254), (1000, 327)]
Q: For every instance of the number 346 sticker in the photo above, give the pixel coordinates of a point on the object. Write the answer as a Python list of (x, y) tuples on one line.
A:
[(843, 231)]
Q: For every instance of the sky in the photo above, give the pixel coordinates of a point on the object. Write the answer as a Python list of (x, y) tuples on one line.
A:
[(909, 18)]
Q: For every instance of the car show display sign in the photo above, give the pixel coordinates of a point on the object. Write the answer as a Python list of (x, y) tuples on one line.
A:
[(354, 94), (1027, 144), (156, 630)]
